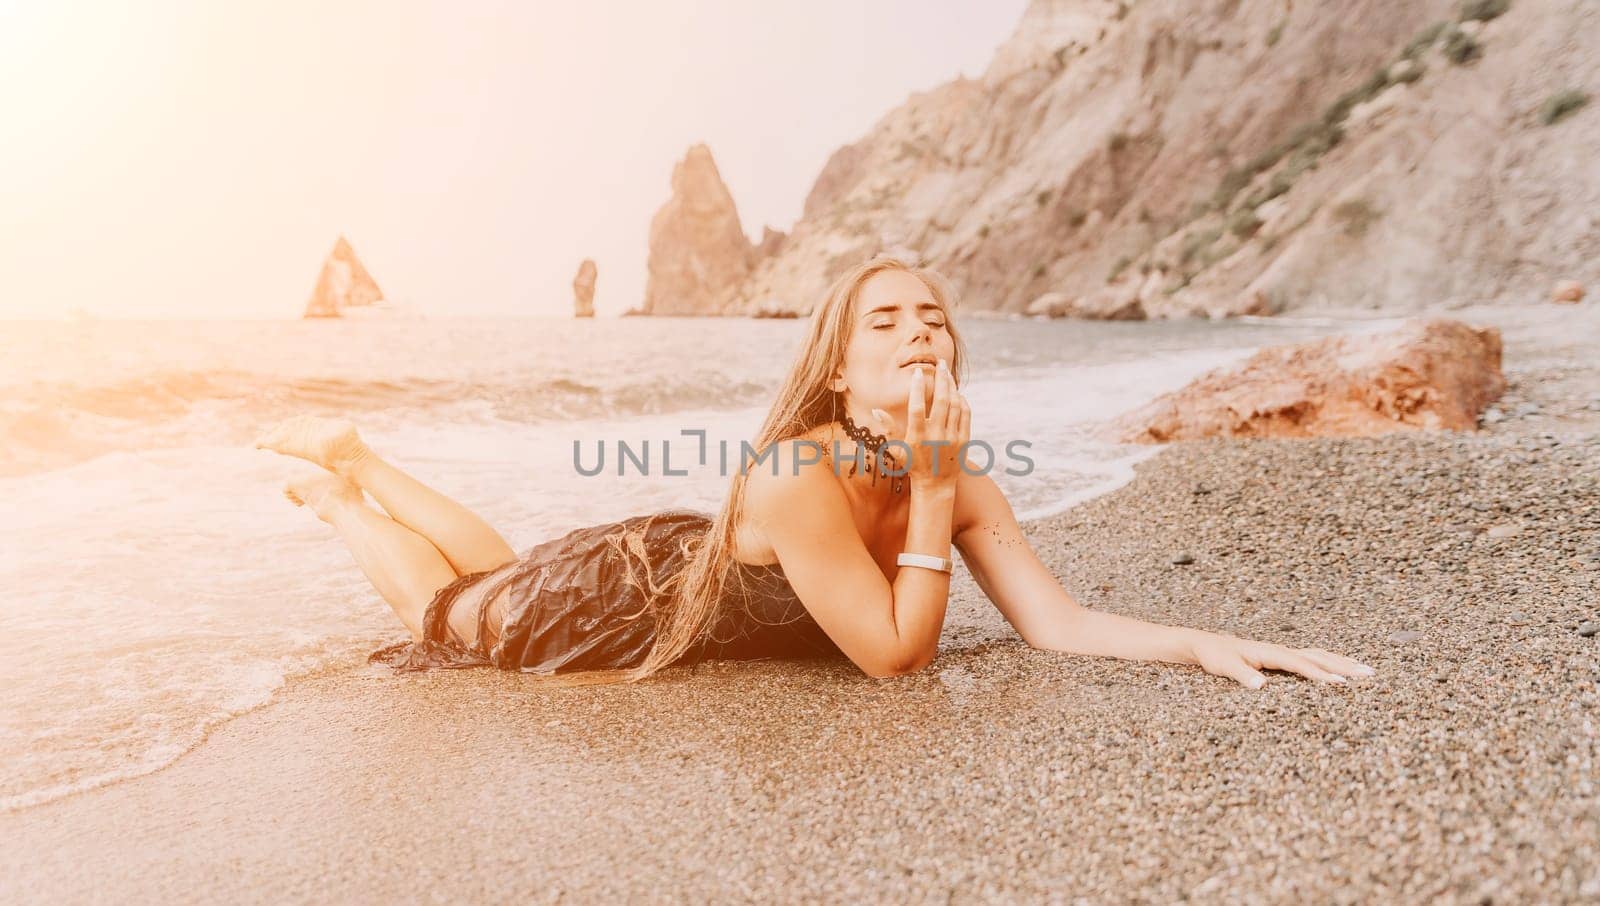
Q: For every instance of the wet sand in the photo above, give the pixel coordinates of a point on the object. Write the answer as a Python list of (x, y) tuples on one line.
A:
[(1463, 567)]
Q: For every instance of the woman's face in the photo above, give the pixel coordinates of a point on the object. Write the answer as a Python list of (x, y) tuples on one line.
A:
[(897, 329)]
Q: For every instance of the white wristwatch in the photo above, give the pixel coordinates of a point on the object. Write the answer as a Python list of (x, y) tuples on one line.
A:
[(942, 564)]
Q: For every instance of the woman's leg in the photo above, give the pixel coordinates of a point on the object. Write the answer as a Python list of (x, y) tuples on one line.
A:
[(466, 541), (469, 543), (405, 568)]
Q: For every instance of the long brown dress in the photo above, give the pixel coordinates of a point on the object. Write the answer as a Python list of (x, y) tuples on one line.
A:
[(569, 605)]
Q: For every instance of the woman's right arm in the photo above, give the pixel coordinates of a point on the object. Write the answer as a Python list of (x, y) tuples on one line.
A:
[(887, 630)]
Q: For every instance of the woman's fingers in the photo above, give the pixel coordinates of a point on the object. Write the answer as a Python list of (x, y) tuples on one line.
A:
[(1238, 668), (1222, 657), (1243, 660), (1280, 658), (1338, 663), (939, 418), (939, 412), (953, 420), (916, 408)]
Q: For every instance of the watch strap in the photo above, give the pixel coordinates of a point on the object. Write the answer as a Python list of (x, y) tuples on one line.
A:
[(942, 564)]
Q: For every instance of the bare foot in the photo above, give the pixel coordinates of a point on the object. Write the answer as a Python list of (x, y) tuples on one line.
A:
[(331, 443), (323, 493)]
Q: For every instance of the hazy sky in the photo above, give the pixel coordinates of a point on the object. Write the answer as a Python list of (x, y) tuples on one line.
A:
[(199, 159)]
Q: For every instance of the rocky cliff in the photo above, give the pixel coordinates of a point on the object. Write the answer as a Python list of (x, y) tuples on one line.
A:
[(342, 284), (1171, 158)]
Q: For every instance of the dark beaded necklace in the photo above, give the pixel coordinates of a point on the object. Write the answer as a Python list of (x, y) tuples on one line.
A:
[(873, 443)]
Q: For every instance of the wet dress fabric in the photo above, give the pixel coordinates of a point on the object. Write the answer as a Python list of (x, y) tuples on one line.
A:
[(569, 604)]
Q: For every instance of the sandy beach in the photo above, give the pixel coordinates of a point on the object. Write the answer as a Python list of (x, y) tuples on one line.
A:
[(1463, 567), (566, 265)]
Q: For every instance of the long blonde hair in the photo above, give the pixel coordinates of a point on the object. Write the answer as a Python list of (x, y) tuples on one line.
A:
[(689, 604)]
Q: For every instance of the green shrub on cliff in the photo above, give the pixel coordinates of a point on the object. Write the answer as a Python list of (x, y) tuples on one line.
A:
[(1117, 269), (1197, 242), (1560, 105), (1482, 10), (1460, 48), (1356, 215), (1368, 89), (1232, 181), (1244, 223), (1423, 40)]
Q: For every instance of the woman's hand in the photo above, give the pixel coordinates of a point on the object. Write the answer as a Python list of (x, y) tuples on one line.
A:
[(1243, 660), (935, 431)]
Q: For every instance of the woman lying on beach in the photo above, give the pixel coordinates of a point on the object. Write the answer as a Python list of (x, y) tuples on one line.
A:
[(837, 545)]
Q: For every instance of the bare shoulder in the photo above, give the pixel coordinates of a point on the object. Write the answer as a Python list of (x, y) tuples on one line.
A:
[(789, 473)]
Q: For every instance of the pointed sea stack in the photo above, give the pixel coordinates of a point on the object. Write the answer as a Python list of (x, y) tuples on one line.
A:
[(343, 283), (699, 253)]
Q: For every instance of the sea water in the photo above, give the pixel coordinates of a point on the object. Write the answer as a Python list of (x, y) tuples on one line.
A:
[(158, 582)]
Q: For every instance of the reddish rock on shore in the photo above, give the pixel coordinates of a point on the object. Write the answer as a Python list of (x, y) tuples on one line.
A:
[(1567, 291), (1429, 374)]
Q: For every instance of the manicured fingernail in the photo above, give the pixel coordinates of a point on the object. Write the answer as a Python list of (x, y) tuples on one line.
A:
[(1338, 679)]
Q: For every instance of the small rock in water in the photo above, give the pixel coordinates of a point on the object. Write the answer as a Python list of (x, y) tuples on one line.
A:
[(1404, 636), (1504, 530), (1183, 560), (1588, 630)]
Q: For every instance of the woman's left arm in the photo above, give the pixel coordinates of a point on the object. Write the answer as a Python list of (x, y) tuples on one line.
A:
[(1046, 616)]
